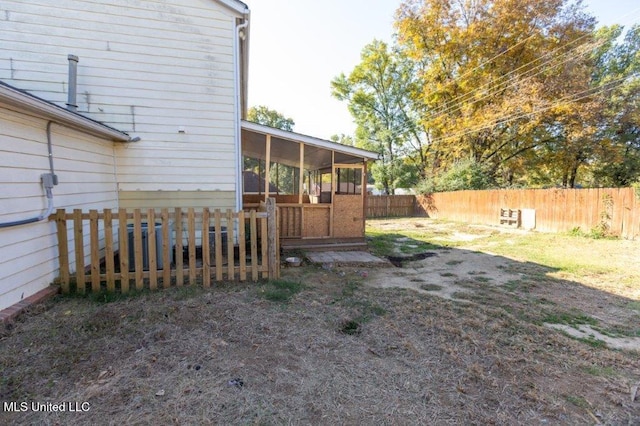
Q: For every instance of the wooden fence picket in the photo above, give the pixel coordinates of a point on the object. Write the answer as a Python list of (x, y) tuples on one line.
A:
[(166, 249), (230, 255), (78, 236), (94, 250), (109, 250), (218, 243), (242, 247), (152, 259), (179, 248), (191, 226), (123, 251), (206, 249)]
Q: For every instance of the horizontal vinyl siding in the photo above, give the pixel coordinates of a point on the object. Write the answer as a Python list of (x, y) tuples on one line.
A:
[(85, 167), (149, 68), (171, 199)]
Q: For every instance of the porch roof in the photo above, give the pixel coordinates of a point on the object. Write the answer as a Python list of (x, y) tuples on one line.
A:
[(317, 152)]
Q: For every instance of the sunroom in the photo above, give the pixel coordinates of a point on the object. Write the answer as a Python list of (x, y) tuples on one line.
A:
[(319, 185)]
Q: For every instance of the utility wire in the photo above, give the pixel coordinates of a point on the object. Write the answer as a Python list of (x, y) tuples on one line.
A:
[(452, 105), (458, 101), (517, 80), (516, 116)]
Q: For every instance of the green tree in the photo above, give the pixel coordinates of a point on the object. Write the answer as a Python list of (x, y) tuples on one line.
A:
[(463, 174), (619, 128), (282, 176), (268, 117), (343, 139), (378, 92)]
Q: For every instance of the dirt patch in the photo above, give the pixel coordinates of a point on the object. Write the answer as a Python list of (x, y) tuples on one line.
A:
[(585, 331), (451, 271), (444, 272), (466, 272)]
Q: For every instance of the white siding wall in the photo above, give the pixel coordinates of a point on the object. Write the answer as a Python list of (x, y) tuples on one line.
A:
[(147, 67), (85, 168)]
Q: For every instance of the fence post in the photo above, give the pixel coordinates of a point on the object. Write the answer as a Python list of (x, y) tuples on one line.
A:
[(272, 238), (63, 248), (254, 245)]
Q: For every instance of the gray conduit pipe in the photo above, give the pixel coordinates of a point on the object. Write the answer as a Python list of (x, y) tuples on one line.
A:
[(49, 180)]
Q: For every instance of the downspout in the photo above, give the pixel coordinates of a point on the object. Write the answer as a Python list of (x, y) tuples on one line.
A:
[(49, 180), (239, 36)]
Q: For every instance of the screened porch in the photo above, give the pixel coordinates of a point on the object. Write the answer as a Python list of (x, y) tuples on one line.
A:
[(319, 185)]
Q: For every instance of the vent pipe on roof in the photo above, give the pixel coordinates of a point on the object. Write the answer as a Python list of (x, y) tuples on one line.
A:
[(73, 79)]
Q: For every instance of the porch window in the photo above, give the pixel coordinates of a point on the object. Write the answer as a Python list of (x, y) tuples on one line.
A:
[(285, 178), (349, 181)]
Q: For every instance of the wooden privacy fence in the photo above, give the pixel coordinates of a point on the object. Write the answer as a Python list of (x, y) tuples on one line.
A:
[(390, 205), (613, 210), (115, 250)]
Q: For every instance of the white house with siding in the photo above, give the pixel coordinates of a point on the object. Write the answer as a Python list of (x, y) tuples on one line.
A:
[(83, 159), (161, 90), (140, 104)]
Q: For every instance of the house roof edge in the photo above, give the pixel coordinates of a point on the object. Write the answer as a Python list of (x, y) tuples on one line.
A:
[(15, 97), (235, 5)]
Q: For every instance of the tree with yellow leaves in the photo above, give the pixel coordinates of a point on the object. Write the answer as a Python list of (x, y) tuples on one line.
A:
[(501, 79)]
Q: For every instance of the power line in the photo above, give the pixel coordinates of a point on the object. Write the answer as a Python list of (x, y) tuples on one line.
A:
[(455, 103), (488, 61), (509, 118), (570, 54), (516, 80)]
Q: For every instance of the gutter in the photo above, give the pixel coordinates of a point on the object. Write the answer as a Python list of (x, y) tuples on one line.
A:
[(27, 102), (240, 54)]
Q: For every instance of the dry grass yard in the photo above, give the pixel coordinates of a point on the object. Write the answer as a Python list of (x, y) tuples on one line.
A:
[(479, 331)]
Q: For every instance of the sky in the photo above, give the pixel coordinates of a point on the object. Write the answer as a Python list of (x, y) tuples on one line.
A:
[(298, 47)]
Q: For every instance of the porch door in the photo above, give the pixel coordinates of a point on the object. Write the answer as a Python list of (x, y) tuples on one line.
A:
[(348, 201)]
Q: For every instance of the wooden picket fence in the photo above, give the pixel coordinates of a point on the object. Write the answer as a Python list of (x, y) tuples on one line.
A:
[(166, 252)]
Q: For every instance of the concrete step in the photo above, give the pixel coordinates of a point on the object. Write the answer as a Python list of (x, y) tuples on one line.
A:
[(325, 247)]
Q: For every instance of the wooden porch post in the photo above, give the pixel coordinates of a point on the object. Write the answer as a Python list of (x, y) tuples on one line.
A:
[(333, 191), (301, 177), (363, 189)]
